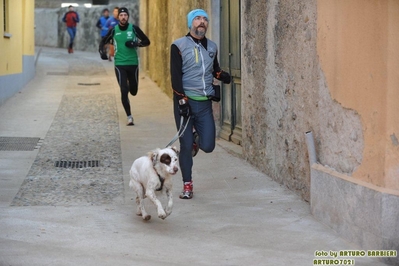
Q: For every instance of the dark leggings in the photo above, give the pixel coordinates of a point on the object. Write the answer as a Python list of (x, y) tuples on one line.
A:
[(204, 123), (127, 77)]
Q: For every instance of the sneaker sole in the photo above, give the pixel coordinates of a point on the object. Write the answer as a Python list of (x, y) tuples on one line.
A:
[(186, 196)]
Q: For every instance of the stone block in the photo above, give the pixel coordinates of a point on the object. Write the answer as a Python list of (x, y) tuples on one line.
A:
[(362, 213)]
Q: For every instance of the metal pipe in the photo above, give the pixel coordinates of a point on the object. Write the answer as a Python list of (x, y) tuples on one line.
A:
[(311, 147)]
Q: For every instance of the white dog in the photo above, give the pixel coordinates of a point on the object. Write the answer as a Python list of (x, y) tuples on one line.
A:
[(152, 173)]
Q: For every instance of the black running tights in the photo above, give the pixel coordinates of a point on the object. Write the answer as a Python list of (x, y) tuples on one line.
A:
[(127, 77)]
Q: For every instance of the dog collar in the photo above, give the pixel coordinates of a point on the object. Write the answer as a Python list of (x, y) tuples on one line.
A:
[(160, 180)]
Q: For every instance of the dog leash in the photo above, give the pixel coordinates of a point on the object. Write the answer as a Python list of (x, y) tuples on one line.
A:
[(181, 130)]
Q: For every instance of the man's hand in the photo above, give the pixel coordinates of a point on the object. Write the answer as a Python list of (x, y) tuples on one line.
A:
[(131, 44), (223, 76), (184, 107)]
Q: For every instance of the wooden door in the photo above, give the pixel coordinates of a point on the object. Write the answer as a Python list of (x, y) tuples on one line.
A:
[(230, 60)]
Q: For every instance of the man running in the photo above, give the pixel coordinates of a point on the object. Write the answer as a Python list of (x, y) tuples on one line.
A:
[(71, 18), (126, 38)]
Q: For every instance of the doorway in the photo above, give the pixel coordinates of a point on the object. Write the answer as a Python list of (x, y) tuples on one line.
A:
[(230, 60)]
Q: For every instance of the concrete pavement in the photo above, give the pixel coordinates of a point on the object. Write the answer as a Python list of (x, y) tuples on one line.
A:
[(238, 215)]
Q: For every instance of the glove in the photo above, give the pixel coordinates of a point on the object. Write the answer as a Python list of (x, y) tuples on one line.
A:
[(184, 107), (103, 55), (131, 44), (223, 76)]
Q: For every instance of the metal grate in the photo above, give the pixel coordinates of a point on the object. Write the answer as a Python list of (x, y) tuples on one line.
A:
[(18, 143), (77, 164), (89, 84)]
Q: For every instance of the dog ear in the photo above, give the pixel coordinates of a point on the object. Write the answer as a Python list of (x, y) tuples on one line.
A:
[(176, 150), (154, 155)]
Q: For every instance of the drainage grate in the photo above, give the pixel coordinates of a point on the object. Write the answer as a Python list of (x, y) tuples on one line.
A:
[(89, 84), (18, 143), (77, 164)]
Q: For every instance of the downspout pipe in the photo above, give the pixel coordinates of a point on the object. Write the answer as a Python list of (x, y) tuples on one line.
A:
[(311, 147)]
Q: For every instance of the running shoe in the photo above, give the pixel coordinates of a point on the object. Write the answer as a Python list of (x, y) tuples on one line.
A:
[(130, 121), (187, 192)]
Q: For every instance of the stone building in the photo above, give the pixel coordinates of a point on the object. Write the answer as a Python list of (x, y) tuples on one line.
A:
[(329, 68)]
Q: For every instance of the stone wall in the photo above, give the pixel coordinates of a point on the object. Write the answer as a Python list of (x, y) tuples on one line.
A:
[(358, 211), (57, 3), (50, 31)]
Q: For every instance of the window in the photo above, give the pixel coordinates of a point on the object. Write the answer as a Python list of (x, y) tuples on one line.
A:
[(4, 14), (5, 17)]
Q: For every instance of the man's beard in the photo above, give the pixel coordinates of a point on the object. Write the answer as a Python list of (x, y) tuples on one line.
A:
[(123, 22), (200, 33)]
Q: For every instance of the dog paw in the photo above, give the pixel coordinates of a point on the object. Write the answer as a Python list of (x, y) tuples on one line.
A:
[(147, 217), (162, 215)]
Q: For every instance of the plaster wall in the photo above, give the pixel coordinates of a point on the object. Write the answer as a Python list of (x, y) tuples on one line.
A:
[(329, 67), (164, 22), (17, 51), (391, 152), (356, 41), (28, 33), (11, 47), (285, 95)]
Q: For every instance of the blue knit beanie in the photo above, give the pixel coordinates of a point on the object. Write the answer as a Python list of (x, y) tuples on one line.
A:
[(194, 13)]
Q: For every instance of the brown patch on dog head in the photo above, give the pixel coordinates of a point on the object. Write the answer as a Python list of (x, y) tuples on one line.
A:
[(165, 159)]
